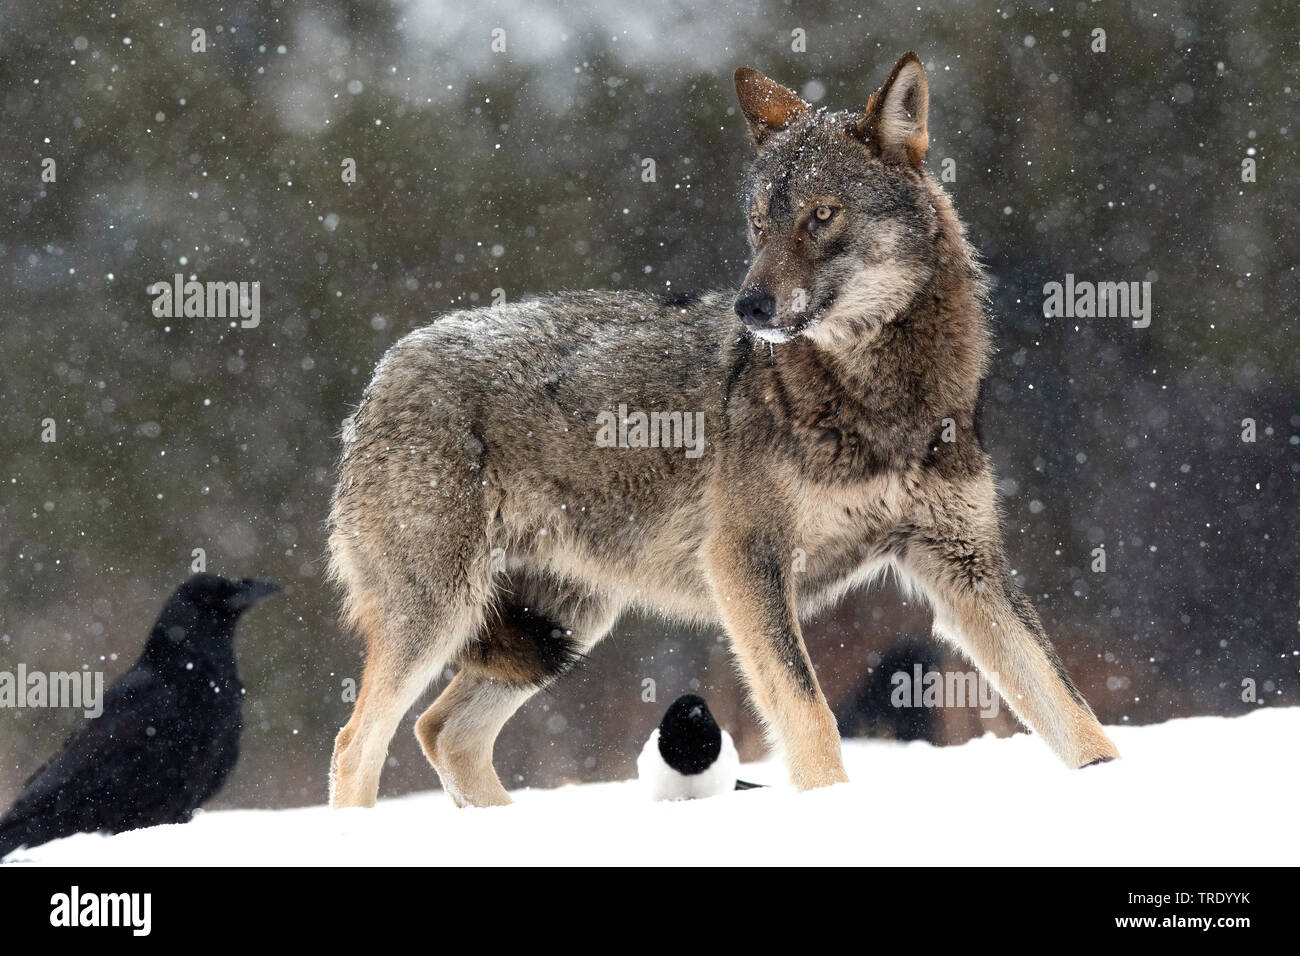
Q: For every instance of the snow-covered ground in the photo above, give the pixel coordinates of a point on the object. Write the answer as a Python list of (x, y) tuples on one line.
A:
[(1205, 790)]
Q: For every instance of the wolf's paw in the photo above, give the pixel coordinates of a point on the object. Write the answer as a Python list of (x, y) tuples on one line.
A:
[(822, 778), (1105, 759)]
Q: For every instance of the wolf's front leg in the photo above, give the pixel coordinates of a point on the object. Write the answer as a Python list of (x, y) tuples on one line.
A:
[(957, 557), (755, 599)]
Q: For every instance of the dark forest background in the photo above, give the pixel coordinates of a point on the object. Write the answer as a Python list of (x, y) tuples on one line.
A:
[(522, 171)]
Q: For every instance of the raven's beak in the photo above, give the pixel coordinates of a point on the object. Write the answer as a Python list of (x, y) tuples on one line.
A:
[(251, 590)]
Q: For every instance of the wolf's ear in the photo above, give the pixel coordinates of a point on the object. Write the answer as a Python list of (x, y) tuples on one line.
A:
[(768, 106), (893, 124)]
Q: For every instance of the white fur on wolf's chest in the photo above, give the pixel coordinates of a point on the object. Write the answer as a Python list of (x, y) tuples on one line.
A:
[(833, 520), (662, 782)]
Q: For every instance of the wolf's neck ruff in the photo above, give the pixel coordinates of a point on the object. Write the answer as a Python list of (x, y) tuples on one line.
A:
[(874, 395)]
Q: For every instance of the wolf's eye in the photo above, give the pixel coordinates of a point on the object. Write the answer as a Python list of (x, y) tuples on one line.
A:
[(757, 222), (823, 213)]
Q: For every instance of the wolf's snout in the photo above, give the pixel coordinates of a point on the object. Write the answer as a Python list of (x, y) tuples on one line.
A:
[(756, 307)]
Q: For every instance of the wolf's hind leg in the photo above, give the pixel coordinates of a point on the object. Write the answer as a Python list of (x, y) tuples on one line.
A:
[(458, 731), (957, 558), (530, 641), (410, 638), (389, 687)]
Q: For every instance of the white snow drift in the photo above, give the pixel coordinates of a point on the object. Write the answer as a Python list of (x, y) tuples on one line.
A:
[(1205, 790)]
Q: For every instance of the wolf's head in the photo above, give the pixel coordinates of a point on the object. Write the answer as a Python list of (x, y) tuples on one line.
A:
[(841, 214)]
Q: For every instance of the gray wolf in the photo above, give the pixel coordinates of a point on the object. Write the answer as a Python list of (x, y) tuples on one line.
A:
[(479, 522)]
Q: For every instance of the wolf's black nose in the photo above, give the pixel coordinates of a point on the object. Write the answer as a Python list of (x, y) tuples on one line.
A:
[(755, 306)]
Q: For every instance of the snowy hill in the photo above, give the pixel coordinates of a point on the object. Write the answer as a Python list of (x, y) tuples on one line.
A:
[(1204, 790)]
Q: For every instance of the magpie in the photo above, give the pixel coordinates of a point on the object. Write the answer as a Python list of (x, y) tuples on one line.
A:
[(689, 756)]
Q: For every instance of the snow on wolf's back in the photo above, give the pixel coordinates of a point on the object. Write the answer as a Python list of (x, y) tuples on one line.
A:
[(578, 345), (532, 378), (499, 409)]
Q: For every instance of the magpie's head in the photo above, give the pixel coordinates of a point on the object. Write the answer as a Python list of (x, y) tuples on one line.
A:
[(689, 738)]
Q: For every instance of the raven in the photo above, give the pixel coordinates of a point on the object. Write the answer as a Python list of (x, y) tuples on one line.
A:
[(169, 733)]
